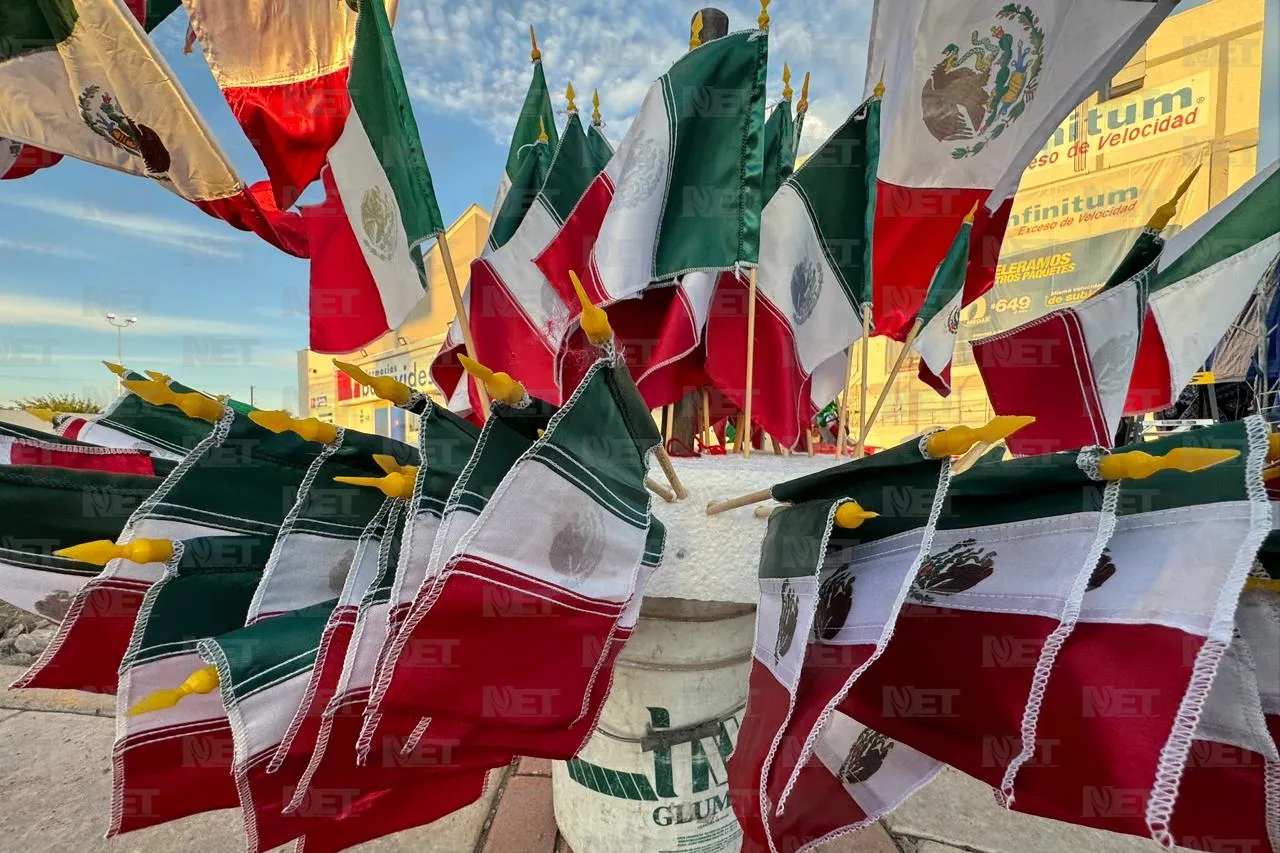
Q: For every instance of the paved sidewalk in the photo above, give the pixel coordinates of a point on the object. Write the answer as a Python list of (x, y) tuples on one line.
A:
[(55, 782)]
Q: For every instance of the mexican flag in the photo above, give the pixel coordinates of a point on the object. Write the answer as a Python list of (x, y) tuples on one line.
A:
[(601, 147), (318, 537), (537, 118), (44, 509), (998, 596), (855, 776), (445, 443), (172, 763), (574, 572), (283, 70), (241, 479), (726, 317), (1133, 679), (971, 91), (517, 319), (380, 207), (1206, 275), (1228, 785), (508, 433), (810, 286), (967, 272), (75, 455), (1085, 353), (682, 192), (678, 204), (83, 80), (19, 161), (814, 636), (133, 423)]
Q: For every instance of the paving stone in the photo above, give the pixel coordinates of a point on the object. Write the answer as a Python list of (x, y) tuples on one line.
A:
[(525, 822), (957, 810), (534, 767), (873, 839), (55, 782)]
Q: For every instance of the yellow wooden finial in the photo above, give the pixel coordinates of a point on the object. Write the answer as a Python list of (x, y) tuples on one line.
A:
[(309, 429), (695, 31), (786, 82), (46, 415), (158, 376), (1273, 447), (1165, 212), (542, 131), (878, 91), (200, 682), (595, 107), (535, 55), (118, 369), (193, 404), (1137, 465), (802, 106), (968, 218), (389, 465), (499, 385), (763, 20), (1263, 584), (595, 322), (103, 551), (569, 95), (387, 388), (395, 484), (959, 440), (851, 516)]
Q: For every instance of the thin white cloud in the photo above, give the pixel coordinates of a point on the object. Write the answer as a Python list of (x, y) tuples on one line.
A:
[(25, 311), (473, 58), (53, 250), (207, 242)]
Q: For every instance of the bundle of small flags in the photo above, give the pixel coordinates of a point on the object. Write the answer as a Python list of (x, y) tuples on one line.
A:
[(1094, 634), (295, 608)]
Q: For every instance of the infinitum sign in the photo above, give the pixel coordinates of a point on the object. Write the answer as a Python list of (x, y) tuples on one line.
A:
[(1085, 197)]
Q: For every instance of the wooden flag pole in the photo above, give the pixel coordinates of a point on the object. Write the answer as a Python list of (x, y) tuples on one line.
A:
[(888, 383), (446, 257), (842, 425), (659, 490), (717, 507), (861, 449), (670, 472), (808, 441), (751, 359)]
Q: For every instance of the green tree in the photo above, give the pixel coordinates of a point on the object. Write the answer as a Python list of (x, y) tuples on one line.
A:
[(73, 403)]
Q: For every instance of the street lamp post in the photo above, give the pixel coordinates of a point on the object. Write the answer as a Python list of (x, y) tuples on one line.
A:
[(120, 324)]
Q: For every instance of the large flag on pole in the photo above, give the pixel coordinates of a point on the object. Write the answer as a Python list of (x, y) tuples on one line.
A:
[(537, 118), (972, 89), (82, 79), (381, 206), (678, 195), (811, 285), (283, 70), (517, 319)]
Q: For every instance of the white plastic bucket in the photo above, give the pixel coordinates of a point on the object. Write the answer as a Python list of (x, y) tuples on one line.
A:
[(652, 778)]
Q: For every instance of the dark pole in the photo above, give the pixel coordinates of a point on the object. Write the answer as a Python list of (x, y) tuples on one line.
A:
[(715, 24)]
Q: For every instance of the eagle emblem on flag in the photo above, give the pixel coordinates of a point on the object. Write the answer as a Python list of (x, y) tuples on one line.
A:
[(806, 287), (835, 599), (378, 220), (102, 115), (959, 568), (1102, 572), (974, 93), (577, 548), (865, 757), (645, 168), (788, 616)]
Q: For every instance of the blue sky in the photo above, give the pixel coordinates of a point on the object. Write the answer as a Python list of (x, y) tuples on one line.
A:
[(221, 310)]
